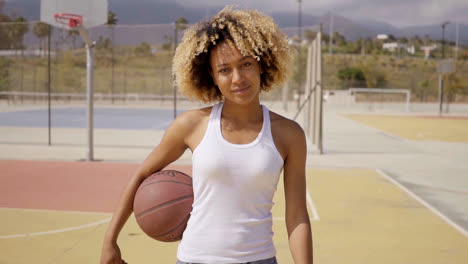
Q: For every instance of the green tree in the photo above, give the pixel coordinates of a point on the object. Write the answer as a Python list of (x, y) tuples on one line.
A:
[(403, 40), (367, 46), (422, 90), (16, 32), (4, 19), (339, 39), (42, 30), (112, 18), (4, 73), (309, 35), (374, 77), (351, 77), (325, 38), (111, 22), (103, 44), (167, 43), (144, 49), (391, 38), (454, 86), (180, 24)]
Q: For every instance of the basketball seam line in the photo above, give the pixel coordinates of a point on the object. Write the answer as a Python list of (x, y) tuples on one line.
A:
[(174, 171), (162, 205), (179, 225), (188, 184)]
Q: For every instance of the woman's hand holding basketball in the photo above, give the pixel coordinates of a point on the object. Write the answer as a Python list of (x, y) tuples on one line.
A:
[(111, 254)]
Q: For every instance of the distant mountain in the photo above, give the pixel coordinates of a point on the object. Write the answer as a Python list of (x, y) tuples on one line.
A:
[(26, 8), (348, 28), (166, 11), (288, 19), (381, 27), (141, 12)]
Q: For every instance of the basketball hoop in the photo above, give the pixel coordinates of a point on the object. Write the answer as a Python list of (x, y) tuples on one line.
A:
[(70, 20)]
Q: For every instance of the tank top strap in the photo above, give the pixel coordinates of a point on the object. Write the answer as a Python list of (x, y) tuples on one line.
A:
[(267, 135), (211, 127), (216, 112)]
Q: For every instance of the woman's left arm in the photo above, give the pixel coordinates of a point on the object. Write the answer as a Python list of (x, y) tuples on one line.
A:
[(297, 217)]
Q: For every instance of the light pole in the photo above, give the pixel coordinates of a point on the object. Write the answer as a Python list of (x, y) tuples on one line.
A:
[(443, 38), (441, 77), (299, 24), (180, 23)]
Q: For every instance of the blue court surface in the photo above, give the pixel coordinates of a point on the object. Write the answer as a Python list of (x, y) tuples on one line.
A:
[(104, 118)]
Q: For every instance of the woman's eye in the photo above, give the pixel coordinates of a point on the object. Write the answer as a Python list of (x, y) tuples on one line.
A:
[(224, 70), (247, 64)]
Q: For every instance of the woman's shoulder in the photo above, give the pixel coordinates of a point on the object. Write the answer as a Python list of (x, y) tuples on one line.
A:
[(287, 134), (191, 118), (284, 124)]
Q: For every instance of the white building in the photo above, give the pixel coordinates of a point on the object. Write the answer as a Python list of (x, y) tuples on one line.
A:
[(382, 36), (393, 46)]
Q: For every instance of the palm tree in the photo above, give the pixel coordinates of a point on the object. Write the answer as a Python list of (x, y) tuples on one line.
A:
[(180, 24), (16, 32), (111, 22), (42, 30), (5, 43)]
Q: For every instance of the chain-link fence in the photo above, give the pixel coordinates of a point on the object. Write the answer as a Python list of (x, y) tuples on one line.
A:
[(133, 62)]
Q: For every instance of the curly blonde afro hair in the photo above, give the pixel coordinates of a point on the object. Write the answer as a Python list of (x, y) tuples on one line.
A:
[(251, 32)]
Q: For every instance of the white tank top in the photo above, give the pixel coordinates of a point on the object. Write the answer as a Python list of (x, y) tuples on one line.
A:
[(233, 186)]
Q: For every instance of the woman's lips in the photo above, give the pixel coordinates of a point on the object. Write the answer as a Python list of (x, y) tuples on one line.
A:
[(241, 90)]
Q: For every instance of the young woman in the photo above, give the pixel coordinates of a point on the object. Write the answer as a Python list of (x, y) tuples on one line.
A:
[(239, 147)]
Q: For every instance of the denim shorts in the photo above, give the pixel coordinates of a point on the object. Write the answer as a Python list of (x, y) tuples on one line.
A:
[(263, 261)]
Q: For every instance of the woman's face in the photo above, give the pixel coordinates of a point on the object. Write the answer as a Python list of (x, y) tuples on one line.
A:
[(237, 76)]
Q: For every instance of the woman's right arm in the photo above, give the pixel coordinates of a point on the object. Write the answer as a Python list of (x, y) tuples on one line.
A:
[(171, 147)]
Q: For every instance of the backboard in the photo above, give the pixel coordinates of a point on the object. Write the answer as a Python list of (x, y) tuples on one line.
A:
[(92, 12), (446, 66)]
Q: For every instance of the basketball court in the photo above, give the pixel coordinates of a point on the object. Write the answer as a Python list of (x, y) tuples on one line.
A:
[(58, 213), (373, 193)]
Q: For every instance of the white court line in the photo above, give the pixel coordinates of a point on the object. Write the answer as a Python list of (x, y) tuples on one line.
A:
[(419, 199), (57, 230), (51, 210), (312, 206)]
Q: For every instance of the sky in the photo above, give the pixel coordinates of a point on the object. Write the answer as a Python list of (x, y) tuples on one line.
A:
[(398, 13)]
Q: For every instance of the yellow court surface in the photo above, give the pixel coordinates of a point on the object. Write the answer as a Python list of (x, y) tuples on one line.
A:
[(360, 217), (364, 218), (418, 128)]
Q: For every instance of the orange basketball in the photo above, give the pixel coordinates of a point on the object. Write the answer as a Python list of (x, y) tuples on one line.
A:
[(163, 203)]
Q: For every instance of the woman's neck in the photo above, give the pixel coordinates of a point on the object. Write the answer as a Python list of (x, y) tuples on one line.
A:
[(243, 113)]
